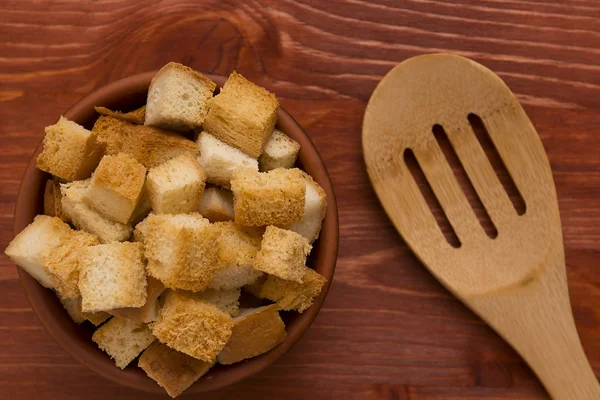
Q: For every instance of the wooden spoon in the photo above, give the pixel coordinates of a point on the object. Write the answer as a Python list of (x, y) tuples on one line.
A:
[(516, 281)]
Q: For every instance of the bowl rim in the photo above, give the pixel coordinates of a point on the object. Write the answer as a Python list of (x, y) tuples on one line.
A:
[(239, 371)]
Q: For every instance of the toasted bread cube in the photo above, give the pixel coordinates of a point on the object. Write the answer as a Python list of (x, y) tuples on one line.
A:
[(192, 326), (149, 311), (172, 370), (148, 145), (268, 198), (62, 265), (116, 187), (282, 254), (112, 276), (73, 307), (43, 234), (70, 152), (255, 331), (176, 186), (181, 250), (220, 160), (123, 340), (86, 219), (216, 205), (281, 151), (136, 116), (53, 200), (178, 98), (242, 115), (315, 207), (291, 295), (226, 300)]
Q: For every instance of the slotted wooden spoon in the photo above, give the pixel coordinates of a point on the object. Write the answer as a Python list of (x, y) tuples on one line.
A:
[(517, 281)]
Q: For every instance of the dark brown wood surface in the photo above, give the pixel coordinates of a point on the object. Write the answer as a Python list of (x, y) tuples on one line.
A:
[(388, 330)]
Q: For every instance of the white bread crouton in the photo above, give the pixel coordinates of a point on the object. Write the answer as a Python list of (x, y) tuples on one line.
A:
[(70, 151), (53, 200), (226, 300), (135, 117), (281, 151), (116, 187), (123, 340), (43, 234), (192, 326), (73, 307), (178, 98), (149, 311), (255, 331), (216, 204), (291, 295), (268, 198), (86, 219), (242, 115), (176, 186), (112, 276), (315, 207), (220, 160), (282, 254), (171, 369)]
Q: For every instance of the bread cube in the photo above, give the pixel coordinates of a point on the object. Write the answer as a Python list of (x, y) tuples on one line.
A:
[(181, 250), (73, 307), (255, 331), (86, 219), (242, 115), (315, 207), (220, 160), (282, 254), (281, 151), (226, 300), (112, 276), (123, 340), (291, 295), (70, 151), (53, 200), (149, 311), (268, 198), (192, 326), (216, 205), (136, 116), (171, 369), (148, 145), (178, 98), (176, 186), (116, 187), (43, 234)]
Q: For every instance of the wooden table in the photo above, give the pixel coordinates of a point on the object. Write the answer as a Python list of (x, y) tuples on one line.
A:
[(388, 330)]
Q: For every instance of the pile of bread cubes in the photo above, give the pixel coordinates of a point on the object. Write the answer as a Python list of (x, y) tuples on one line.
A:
[(153, 236)]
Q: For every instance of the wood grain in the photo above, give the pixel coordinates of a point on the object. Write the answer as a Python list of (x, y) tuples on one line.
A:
[(388, 330)]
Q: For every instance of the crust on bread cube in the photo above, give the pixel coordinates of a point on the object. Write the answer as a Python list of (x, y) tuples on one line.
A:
[(192, 326), (116, 187), (290, 295), (216, 205), (315, 208), (242, 115), (255, 331), (123, 340), (227, 300), (282, 254), (53, 200), (178, 98), (135, 117), (70, 151), (268, 198), (172, 370), (73, 307), (281, 151), (149, 311), (143, 207), (112, 276), (220, 160), (176, 186)]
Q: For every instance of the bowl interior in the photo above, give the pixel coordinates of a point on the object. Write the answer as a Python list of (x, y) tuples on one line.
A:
[(129, 94)]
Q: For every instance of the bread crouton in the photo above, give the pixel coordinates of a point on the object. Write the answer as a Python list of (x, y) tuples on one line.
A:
[(116, 187), (86, 219), (112, 276), (148, 145), (43, 234), (171, 369), (255, 331), (149, 311), (70, 151), (136, 116), (226, 300), (282, 254), (73, 307), (216, 205), (123, 340), (268, 198), (192, 326), (315, 207), (178, 98), (53, 200), (242, 115), (281, 151), (291, 295), (176, 186), (220, 160)]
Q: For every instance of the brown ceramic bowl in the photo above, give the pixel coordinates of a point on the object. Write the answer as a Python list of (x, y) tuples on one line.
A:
[(128, 94)]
